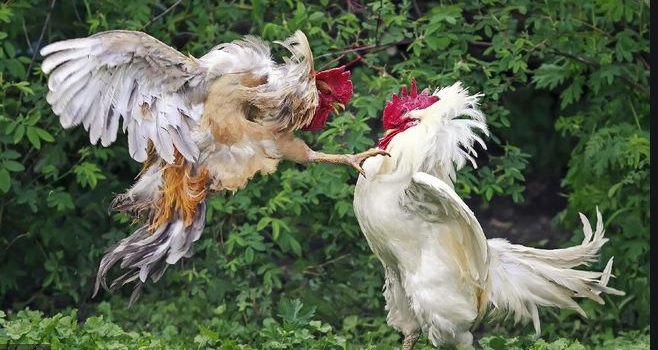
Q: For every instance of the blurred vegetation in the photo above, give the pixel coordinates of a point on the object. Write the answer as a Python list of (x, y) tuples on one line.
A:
[(566, 89)]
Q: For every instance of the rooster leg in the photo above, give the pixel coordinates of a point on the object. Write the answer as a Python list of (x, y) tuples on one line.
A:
[(296, 150), (410, 340), (353, 160)]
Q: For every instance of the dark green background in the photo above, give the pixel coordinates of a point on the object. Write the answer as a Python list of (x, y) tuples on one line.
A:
[(566, 87)]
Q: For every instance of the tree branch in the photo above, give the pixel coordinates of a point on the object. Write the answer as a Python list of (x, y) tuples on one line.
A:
[(164, 13), (370, 48), (417, 10), (591, 63), (38, 46)]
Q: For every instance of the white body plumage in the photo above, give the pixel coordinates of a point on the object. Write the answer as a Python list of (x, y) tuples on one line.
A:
[(441, 272)]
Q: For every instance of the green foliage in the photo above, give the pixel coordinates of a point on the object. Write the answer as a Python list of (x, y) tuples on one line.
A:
[(63, 331), (566, 89)]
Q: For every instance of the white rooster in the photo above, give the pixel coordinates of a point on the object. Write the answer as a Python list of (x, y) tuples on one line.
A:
[(441, 271)]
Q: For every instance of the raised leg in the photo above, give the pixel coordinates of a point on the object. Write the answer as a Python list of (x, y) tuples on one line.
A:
[(353, 160), (292, 148)]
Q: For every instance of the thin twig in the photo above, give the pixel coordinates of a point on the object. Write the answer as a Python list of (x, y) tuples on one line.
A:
[(636, 85), (366, 48), (36, 49), (354, 61), (646, 64), (351, 4), (75, 11), (577, 58), (309, 268), (27, 37), (377, 69), (481, 43), (379, 19), (416, 8), (331, 62), (158, 17), (593, 27), (4, 253), (29, 72)]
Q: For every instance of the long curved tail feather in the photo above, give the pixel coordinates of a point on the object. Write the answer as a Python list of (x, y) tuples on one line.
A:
[(523, 278), (148, 253)]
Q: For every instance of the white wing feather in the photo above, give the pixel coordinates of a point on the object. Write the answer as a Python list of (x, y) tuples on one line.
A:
[(434, 200), (158, 91)]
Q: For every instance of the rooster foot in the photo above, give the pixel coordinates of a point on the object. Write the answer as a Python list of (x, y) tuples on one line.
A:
[(355, 160), (410, 340)]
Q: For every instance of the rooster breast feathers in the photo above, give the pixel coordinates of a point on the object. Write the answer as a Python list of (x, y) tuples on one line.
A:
[(159, 92)]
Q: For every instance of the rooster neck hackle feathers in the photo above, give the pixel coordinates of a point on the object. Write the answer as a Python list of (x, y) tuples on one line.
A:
[(442, 140)]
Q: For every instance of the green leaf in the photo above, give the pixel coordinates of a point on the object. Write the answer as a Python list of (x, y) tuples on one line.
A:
[(5, 13), (249, 255), (33, 119), (5, 180), (572, 93), (10, 154), (438, 43), (498, 343), (488, 193), (15, 67), (60, 200), (276, 229), (44, 135), (87, 174), (33, 136), (262, 223), (295, 246), (550, 76), (11, 127), (9, 49), (24, 87), (13, 166), (18, 134)]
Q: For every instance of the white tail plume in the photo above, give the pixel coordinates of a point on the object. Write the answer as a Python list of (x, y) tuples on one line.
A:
[(523, 278)]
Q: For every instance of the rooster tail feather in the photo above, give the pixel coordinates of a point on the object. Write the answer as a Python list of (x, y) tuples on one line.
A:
[(523, 278), (299, 48), (149, 251)]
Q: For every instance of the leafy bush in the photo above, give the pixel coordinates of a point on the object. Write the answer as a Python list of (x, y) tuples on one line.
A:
[(566, 89), (293, 328)]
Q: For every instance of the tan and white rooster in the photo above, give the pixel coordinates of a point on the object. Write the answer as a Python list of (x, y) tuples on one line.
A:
[(441, 271), (198, 125)]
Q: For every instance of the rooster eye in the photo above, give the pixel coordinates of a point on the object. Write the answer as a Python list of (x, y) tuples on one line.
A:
[(324, 86)]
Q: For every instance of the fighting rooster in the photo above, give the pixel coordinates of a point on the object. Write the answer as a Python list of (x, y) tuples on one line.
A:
[(197, 125), (441, 271)]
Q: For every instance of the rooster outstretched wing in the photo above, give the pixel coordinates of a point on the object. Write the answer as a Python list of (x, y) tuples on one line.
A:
[(158, 91)]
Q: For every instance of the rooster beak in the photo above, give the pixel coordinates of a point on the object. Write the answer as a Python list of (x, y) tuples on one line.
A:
[(333, 107)]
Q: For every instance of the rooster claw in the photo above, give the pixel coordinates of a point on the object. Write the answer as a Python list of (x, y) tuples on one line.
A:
[(355, 160)]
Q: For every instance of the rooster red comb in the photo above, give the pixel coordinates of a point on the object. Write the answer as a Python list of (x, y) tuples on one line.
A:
[(397, 108), (396, 119), (334, 87)]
